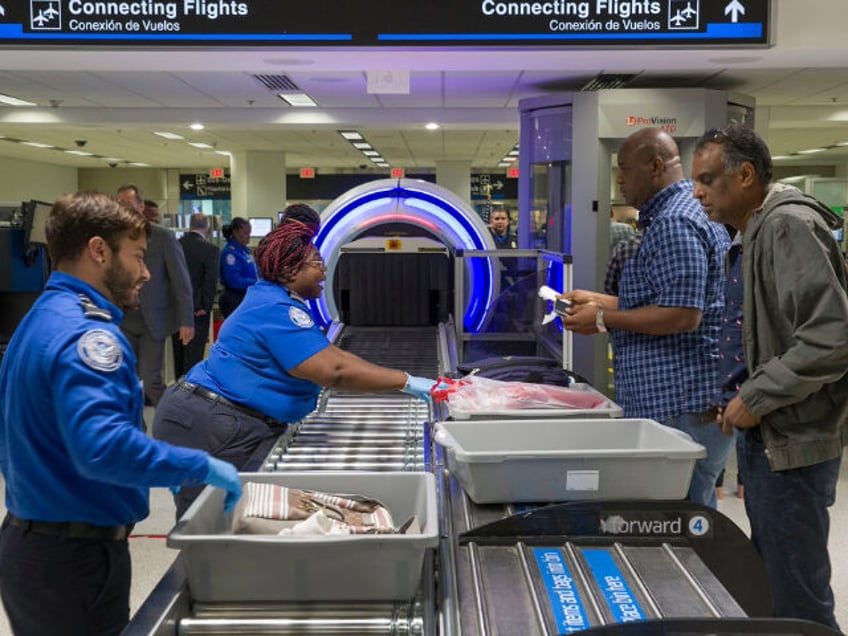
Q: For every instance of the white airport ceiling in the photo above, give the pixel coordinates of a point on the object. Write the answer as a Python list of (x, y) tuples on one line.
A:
[(116, 99)]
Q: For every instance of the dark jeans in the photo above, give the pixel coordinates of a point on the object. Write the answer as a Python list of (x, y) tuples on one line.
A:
[(703, 429), (187, 419), (56, 585), (789, 527), (186, 356)]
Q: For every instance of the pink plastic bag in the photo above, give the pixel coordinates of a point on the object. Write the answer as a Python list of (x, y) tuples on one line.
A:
[(473, 393)]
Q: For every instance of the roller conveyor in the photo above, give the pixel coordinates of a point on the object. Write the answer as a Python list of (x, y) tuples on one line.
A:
[(351, 431), (501, 569), (566, 568)]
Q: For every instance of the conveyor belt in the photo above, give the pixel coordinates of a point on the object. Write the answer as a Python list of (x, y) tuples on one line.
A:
[(502, 569), (349, 431), (571, 567), (354, 431)]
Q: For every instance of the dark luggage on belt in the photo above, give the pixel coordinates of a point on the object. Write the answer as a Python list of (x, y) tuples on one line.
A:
[(532, 369)]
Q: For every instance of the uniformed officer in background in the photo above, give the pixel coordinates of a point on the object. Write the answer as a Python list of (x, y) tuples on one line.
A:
[(238, 268), (270, 361), (76, 463)]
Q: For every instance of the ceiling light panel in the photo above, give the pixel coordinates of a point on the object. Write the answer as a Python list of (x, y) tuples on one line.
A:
[(298, 99), (14, 101)]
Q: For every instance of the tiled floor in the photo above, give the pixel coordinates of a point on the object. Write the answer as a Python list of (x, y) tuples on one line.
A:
[(151, 557)]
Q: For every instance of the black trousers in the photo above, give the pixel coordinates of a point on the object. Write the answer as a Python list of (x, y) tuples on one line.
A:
[(187, 419), (186, 356), (230, 299), (56, 585)]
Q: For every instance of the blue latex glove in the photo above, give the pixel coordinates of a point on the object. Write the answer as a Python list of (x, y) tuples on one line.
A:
[(225, 476), (419, 387)]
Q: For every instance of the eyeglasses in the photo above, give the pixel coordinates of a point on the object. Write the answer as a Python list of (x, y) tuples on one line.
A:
[(319, 264)]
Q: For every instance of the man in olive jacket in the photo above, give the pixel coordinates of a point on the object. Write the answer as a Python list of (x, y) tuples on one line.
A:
[(792, 412)]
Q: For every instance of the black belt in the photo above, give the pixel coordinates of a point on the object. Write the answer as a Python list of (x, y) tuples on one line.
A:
[(206, 394), (70, 529)]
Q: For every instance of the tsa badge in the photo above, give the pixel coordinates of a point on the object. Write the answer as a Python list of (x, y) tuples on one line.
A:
[(300, 317), (100, 350)]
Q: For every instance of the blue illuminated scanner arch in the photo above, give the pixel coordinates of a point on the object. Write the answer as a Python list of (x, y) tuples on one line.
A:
[(418, 203)]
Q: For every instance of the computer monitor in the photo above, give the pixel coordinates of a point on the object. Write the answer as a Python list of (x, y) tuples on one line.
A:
[(35, 222), (260, 226), (839, 234)]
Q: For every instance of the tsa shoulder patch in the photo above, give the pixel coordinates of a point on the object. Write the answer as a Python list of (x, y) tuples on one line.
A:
[(300, 317), (231, 259), (100, 350)]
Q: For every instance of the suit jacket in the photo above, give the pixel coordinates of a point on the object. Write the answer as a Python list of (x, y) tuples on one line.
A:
[(202, 259), (166, 299)]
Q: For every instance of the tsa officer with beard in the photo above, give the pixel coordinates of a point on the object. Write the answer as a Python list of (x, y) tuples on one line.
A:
[(76, 463)]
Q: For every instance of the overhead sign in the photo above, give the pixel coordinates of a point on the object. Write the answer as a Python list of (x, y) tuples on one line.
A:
[(492, 186), (387, 22), (201, 186)]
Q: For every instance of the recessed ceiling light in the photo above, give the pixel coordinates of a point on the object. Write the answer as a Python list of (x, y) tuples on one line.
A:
[(371, 153), (35, 144), (377, 159), (112, 159), (197, 126), (350, 134), (432, 126), (139, 164), (14, 101), (509, 159), (198, 144), (362, 145), (297, 99), (841, 143), (513, 153), (81, 153), (780, 157), (504, 164), (811, 151), (170, 135), (226, 153)]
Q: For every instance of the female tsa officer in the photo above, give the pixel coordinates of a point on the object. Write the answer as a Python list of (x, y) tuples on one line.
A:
[(270, 360), (238, 269)]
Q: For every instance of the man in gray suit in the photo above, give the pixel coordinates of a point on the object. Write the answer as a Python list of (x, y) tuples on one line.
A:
[(166, 301)]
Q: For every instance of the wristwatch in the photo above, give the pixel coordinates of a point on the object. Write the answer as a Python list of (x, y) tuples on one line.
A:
[(599, 321)]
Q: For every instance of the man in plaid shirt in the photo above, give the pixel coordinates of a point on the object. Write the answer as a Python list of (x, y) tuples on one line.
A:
[(666, 318)]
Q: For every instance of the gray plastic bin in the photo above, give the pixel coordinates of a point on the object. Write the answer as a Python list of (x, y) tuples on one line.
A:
[(222, 566), (610, 410), (502, 461)]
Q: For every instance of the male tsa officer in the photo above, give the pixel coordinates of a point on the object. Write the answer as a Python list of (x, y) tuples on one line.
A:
[(76, 463)]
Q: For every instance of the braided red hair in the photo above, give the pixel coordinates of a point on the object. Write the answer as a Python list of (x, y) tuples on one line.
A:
[(285, 249)]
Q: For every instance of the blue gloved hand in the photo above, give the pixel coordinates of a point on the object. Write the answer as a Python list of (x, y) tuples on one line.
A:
[(225, 476), (419, 387)]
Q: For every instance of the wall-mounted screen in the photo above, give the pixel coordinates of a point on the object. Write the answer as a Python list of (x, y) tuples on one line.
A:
[(260, 226), (35, 222)]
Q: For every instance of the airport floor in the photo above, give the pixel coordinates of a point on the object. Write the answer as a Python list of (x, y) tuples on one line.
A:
[(151, 558)]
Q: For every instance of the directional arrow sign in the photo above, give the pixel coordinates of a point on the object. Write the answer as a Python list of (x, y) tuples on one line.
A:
[(187, 185), (734, 8)]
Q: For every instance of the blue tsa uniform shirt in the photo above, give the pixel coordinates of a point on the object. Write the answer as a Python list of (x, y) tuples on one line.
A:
[(238, 269), (71, 443), (250, 362)]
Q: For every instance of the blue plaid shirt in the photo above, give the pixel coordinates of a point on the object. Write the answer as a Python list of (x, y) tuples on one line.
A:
[(679, 264)]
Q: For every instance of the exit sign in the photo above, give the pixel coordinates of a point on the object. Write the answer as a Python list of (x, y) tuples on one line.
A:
[(216, 173), (512, 173), (398, 173), (307, 173)]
